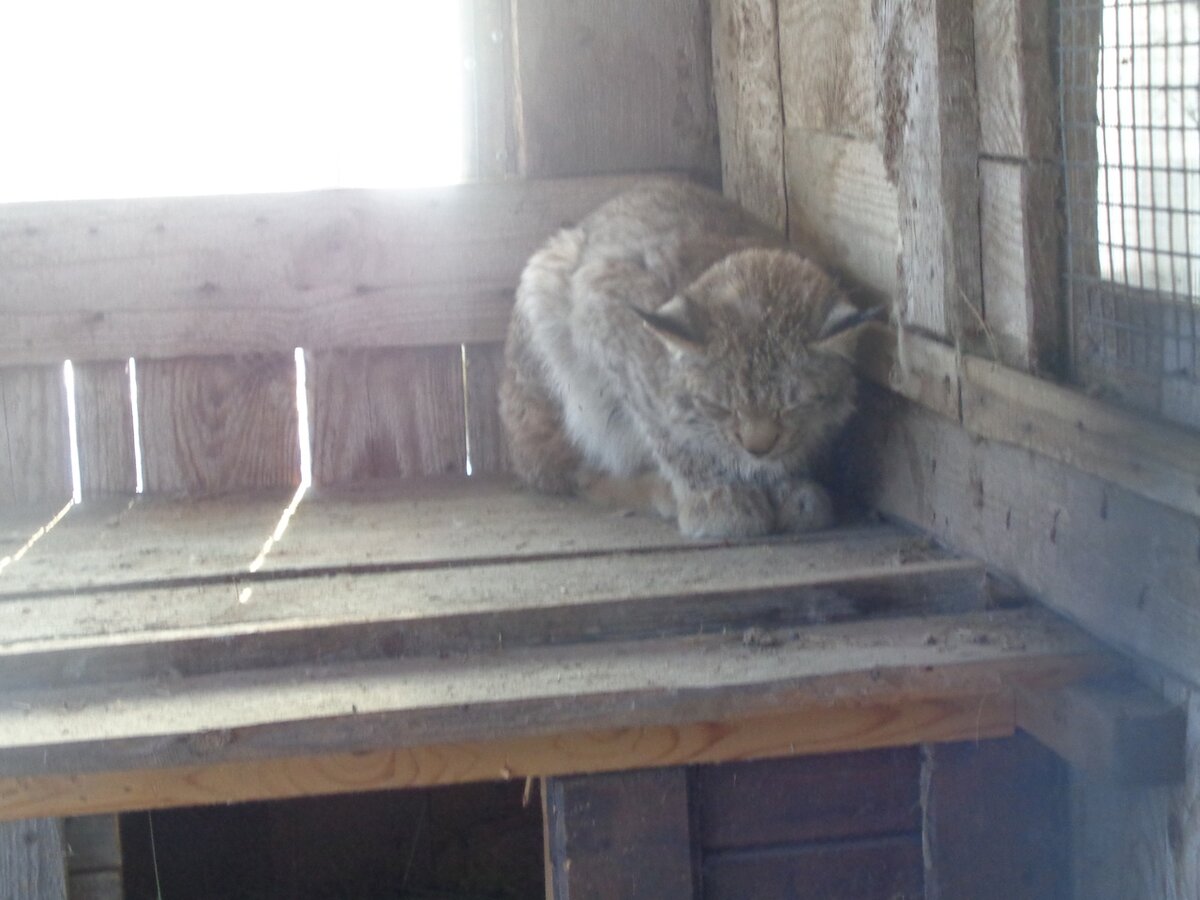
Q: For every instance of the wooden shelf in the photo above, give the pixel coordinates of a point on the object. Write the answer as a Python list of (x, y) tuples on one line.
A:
[(152, 655)]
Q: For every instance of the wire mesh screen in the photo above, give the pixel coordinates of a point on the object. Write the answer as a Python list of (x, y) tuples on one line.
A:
[(1130, 79)]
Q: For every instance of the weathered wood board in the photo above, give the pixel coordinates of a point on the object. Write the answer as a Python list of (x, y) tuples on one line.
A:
[(107, 460), (746, 81), (32, 860), (614, 86), (486, 442), (35, 454), (248, 274)]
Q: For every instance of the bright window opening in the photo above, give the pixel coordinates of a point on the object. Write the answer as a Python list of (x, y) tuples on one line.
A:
[(135, 98)]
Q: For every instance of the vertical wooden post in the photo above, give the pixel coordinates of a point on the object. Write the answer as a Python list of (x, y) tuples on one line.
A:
[(622, 836), (35, 460), (485, 434), (32, 862), (105, 419)]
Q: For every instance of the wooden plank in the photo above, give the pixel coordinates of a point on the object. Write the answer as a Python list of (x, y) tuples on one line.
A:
[(96, 886), (35, 461), (862, 684), (886, 868), (1019, 228), (1122, 566), (615, 86), (1138, 843), (1018, 100), (827, 53), (746, 82), (910, 365), (230, 627), (820, 798), (31, 860), (996, 821), (930, 152), (1112, 727), (169, 278), (622, 835), (491, 87), (210, 425), (485, 433), (1152, 458), (93, 843), (386, 413), (842, 208), (105, 429)]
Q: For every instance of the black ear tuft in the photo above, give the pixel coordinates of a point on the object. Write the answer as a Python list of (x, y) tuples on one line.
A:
[(675, 323)]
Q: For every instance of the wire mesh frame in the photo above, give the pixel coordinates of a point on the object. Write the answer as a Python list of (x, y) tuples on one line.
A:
[(1129, 74)]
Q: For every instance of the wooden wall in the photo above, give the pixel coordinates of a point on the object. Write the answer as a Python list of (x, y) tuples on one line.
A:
[(915, 148)]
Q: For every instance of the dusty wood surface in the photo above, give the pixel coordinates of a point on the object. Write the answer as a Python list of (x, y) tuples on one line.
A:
[(31, 860), (746, 81), (1122, 566), (930, 150), (491, 88), (996, 821), (1018, 101), (386, 413), (105, 422), (620, 836), (235, 275), (1019, 222), (773, 803), (842, 208), (615, 86), (1114, 728), (908, 364), (916, 669), (1138, 843), (827, 62), (485, 433), (210, 425), (35, 461)]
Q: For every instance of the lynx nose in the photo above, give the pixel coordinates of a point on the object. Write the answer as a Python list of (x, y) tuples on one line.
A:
[(758, 434)]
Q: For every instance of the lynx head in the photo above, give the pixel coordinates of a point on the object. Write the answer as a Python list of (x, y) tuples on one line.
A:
[(748, 371)]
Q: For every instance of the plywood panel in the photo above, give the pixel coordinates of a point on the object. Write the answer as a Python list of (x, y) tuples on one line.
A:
[(35, 462), (31, 860), (217, 424), (827, 63), (746, 82), (842, 207), (615, 86), (386, 413), (485, 432), (105, 427), (166, 278)]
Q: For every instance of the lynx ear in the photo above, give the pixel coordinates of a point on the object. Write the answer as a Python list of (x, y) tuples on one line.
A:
[(843, 316), (676, 324)]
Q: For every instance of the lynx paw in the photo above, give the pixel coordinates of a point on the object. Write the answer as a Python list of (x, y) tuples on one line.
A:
[(801, 506), (728, 510)]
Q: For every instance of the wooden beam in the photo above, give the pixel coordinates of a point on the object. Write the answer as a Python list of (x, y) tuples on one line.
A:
[(32, 858), (623, 835), (885, 681), (1113, 728), (746, 80), (106, 280)]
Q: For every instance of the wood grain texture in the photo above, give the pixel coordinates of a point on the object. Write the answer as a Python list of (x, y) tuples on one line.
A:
[(485, 432), (105, 427), (1139, 843), (910, 365), (1018, 218), (842, 208), (1154, 459), (858, 685), (827, 61), (620, 836), (35, 456), (746, 82), (821, 798), (886, 868), (31, 860), (996, 821), (386, 413), (491, 88), (615, 86), (210, 425), (106, 280), (1018, 100), (1122, 566), (926, 81)]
